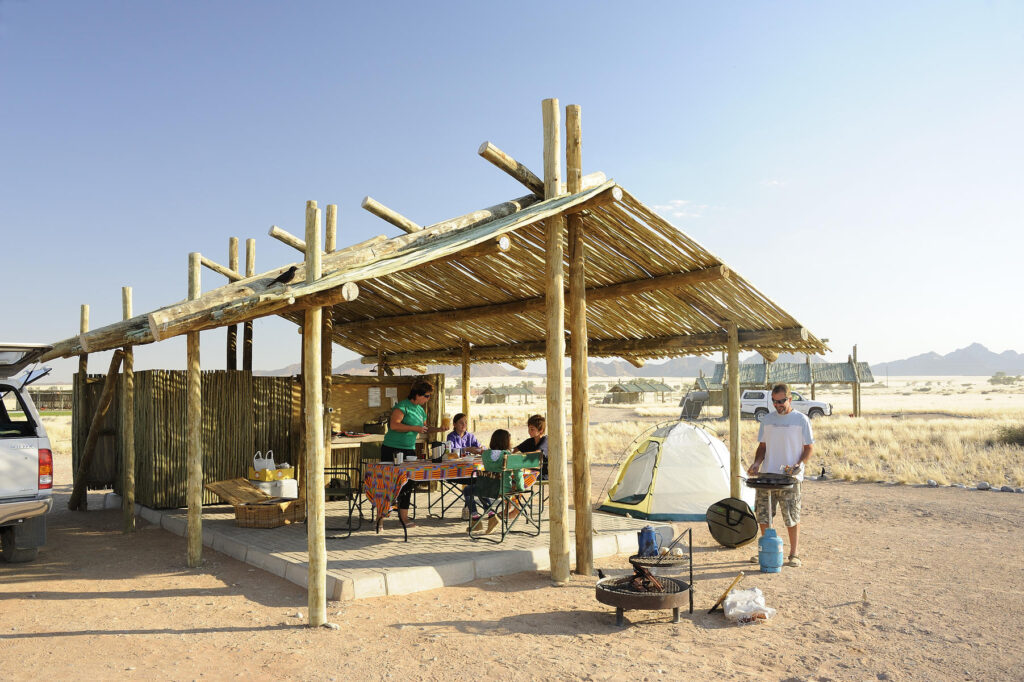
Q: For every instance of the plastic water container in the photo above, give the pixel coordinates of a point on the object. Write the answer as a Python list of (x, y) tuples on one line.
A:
[(769, 551)]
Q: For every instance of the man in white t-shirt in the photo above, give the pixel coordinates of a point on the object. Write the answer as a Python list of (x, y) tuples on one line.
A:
[(785, 442)]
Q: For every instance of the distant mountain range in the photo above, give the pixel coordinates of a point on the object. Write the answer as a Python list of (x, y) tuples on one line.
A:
[(974, 360)]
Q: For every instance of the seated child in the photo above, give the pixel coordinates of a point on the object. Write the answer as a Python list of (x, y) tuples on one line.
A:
[(537, 442), (460, 438), (500, 440)]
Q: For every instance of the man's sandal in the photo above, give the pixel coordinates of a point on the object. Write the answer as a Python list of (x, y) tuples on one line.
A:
[(794, 561)]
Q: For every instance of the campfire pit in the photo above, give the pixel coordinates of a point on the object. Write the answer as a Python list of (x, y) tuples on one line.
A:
[(644, 590)]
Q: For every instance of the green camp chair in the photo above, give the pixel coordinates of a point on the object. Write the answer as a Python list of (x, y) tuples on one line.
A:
[(512, 502)]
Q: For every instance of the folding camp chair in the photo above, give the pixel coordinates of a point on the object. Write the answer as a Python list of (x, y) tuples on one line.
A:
[(344, 483), (510, 481)]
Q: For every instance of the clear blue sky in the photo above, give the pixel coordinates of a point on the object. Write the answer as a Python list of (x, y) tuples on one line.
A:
[(860, 163)]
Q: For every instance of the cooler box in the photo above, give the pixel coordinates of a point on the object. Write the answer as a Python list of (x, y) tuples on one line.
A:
[(287, 488)]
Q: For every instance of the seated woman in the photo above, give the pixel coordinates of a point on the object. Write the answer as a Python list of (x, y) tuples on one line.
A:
[(407, 420), (537, 442), (500, 440), (460, 438)]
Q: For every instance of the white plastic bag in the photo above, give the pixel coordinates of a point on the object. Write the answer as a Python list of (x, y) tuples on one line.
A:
[(747, 606), (261, 462)]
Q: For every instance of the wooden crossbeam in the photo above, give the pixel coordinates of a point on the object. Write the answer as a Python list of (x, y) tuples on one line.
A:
[(650, 347), (674, 281)]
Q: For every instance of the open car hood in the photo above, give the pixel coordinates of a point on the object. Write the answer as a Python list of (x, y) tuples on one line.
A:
[(15, 357)]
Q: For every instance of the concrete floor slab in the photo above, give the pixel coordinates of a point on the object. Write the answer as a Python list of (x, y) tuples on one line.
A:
[(369, 564)]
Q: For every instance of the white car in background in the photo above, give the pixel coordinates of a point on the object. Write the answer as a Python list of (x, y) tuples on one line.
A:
[(758, 402), (26, 460)]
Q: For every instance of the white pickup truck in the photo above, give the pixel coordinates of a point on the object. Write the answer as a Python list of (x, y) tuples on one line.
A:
[(26, 461), (758, 402)]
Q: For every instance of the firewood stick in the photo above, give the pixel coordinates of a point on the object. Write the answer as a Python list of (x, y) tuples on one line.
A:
[(726, 593)]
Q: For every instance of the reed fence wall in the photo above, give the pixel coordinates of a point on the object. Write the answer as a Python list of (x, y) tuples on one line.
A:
[(242, 413)]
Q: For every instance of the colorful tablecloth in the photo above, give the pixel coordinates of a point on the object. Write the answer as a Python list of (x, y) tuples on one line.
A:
[(384, 481)]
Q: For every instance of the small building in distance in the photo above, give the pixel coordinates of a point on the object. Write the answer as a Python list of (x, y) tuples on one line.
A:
[(636, 391), (501, 394)]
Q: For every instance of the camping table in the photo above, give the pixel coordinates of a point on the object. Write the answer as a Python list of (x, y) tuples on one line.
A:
[(385, 480)]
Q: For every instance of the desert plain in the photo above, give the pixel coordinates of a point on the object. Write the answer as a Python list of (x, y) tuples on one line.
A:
[(901, 580)]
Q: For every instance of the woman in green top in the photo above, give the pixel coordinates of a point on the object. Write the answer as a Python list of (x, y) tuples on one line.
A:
[(407, 421)]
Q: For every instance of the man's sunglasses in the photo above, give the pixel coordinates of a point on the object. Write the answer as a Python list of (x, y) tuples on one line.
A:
[(779, 402)]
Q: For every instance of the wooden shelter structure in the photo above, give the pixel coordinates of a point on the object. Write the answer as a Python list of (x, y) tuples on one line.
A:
[(501, 394), (638, 288), (635, 391)]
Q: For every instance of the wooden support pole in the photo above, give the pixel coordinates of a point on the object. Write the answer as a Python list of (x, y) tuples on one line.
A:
[(83, 392), (128, 424), (558, 549), (194, 429), (636, 362), (78, 501), (220, 269), (733, 370), (327, 331), (250, 270), (465, 377), (394, 217), (232, 339), (287, 238), (810, 375), (578, 352), (314, 412), (512, 167), (856, 385)]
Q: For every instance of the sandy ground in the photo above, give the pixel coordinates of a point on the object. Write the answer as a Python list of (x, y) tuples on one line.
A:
[(941, 568)]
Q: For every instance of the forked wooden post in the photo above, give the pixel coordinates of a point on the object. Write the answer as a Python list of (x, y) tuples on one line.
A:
[(465, 377), (733, 370), (83, 372), (578, 351), (312, 374), (326, 339), (810, 374), (79, 495), (128, 423), (232, 345), (856, 383), (558, 549), (250, 270), (194, 429)]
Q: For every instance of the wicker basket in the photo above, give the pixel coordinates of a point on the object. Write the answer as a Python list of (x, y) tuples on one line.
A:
[(270, 513), (256, 509)]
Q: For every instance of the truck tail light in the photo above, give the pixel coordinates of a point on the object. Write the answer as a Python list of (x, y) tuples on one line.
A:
[(45, 469)]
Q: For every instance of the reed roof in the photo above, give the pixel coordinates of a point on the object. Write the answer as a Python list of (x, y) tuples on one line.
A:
[(653, 292)]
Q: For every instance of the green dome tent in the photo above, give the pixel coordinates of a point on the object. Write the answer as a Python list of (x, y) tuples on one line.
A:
[(674, 473)]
